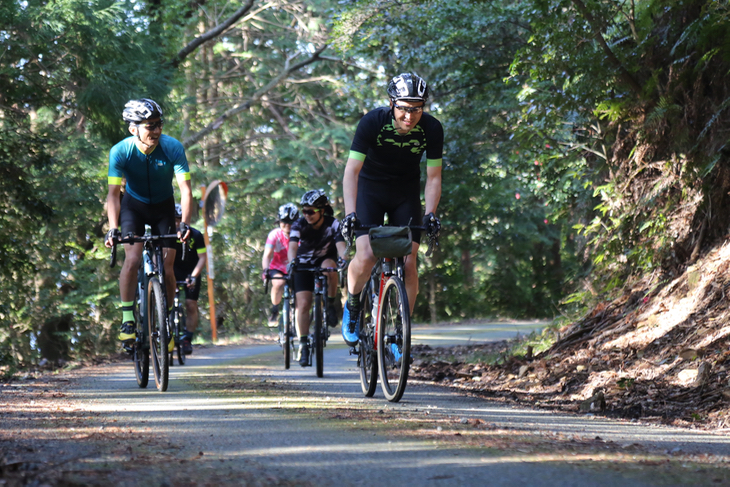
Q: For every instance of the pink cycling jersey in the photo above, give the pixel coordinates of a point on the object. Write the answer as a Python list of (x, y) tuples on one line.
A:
[(279, 241)]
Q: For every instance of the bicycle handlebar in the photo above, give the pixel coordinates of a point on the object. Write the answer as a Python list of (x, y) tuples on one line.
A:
[(132, 239)]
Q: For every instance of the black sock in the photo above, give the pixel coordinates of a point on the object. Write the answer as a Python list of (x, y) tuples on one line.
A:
[(303, 340), (353, 300)]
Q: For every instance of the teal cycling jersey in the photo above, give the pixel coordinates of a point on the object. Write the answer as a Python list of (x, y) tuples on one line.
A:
[(149, 176)]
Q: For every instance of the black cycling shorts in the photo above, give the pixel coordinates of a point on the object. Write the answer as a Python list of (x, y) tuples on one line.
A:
[(401, 203), (134, 215), (304, 281)]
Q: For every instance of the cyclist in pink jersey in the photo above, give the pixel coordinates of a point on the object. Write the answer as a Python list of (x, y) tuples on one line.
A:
[(275, 259)]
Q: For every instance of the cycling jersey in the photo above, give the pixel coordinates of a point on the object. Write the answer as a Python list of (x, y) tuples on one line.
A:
[(149, 176), (279, 242), (196, 246), (390, 156), (316, 245)]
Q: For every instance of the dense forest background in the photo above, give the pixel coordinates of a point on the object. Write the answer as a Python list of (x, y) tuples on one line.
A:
[(585, 143)]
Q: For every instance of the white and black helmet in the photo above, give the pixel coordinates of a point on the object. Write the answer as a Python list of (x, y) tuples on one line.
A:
[(137, 111), (315, 198), (288, 213), (408, 87)]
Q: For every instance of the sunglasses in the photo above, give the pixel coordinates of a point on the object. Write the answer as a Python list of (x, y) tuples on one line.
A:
[(153, 126), (409, 109), (311, 211)]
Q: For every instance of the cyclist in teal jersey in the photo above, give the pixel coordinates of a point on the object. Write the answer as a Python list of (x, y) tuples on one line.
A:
[(148, 160), (382, 177)]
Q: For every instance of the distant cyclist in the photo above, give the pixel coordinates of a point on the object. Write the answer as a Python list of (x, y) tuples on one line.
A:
[(383, 176), (275, 257), (315, 241), (148, 160), (190, 270)]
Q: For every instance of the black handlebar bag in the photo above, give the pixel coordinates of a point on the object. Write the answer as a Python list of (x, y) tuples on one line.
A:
[(391, 241)]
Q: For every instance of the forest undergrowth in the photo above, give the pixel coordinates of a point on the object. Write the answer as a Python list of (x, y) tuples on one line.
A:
[(658, 353)]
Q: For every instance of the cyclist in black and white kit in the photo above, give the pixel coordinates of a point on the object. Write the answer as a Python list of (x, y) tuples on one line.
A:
[(315, 240), (383, 176)]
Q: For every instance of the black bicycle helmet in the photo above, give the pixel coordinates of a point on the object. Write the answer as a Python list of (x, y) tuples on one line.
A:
[(408, 87), (137, 111), (315, 198), (288, 213)]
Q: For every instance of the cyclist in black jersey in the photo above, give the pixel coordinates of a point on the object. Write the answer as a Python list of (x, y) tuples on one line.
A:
[(383, 175), (315, 240), (148, 160), (190, 270)]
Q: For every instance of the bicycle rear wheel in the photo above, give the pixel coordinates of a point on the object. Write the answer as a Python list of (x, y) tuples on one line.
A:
[(366, 359), (158, 333), (141, 353), (287, 332), (394, 340), (319, 335)]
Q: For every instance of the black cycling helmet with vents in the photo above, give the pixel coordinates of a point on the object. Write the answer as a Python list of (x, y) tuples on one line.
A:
[(315, 198), (288, 213), (408, 87), (137, 111)]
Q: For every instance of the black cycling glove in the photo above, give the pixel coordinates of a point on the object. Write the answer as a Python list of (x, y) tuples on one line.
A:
[(183, 229), (432, 225), (348, 226), (114, 234), (292, 265)]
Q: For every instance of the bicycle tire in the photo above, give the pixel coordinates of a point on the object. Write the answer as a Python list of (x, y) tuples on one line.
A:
[(394, 327), (287, 314), (367, 362), (181, 325), (158, 333), (140, 354), (318, 335)]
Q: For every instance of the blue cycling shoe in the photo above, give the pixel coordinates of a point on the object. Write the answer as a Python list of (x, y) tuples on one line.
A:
[(395, 350), (350, 328)]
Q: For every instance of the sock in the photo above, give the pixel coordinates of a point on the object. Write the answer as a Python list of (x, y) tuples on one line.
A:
[(353, 301), (127, 311), (303, 340), (332, 300), (274, 308)]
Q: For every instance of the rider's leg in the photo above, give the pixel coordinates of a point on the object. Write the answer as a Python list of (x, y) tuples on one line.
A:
[(358, 272), (277, 289), (128, 274), (170, 275), (304, 305), (411, 270), (191, 311)]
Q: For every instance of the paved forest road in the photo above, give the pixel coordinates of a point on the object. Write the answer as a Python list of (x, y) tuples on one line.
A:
[(234, 416)]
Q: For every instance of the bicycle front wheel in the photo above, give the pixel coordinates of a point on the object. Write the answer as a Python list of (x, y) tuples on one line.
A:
[(394, 339), (366, 359), (286, 339), (178, 329), (158, 333), (141, 353), (318, 335)]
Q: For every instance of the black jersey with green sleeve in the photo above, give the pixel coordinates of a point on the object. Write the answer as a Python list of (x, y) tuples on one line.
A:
[(388, 155), (149, 176), (196, 246)]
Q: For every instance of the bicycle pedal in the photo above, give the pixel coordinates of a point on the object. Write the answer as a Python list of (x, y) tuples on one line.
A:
[(354, 351)]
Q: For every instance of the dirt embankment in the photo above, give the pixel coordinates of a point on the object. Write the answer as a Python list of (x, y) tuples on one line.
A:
[(658, 353)]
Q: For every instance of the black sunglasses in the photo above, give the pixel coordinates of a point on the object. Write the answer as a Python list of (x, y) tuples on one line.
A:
[(409, 109), (311, 211), (152, 126)]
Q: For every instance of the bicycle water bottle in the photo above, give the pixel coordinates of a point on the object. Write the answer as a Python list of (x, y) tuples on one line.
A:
[(148, 267)]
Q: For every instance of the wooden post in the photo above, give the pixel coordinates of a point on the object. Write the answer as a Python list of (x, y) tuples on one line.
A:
[(211, 271)]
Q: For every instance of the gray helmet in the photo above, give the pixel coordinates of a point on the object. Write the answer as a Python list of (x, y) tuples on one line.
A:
[(408, 87), (288, 213), (315, 198), (136, 111), (178, 210)]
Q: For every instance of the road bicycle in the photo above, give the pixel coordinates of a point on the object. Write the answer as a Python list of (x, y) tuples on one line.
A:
[(179, 326), (152, 327), (319, 331), (287, 332), (384, 347)]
